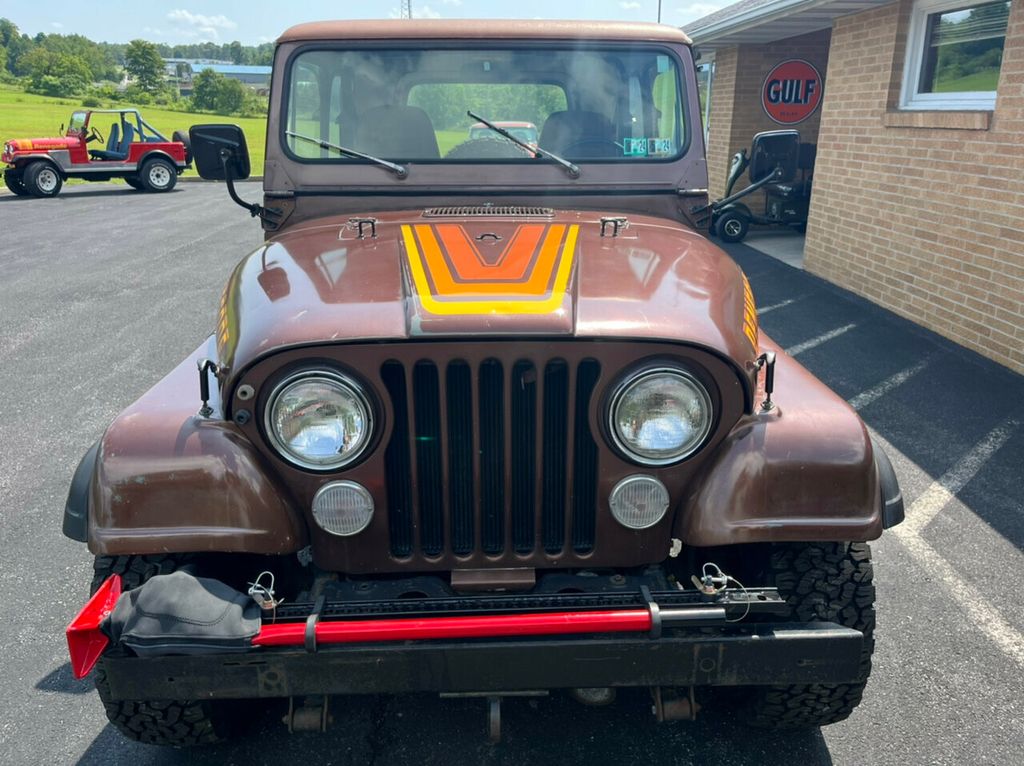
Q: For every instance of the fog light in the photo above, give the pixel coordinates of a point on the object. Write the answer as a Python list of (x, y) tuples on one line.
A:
[(639, 502), (343, 508)]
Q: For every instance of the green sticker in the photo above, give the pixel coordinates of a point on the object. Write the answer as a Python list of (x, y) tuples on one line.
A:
[(634, 147)]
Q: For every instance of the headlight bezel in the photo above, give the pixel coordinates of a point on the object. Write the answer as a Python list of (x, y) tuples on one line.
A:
[(637, 375), (355, 387)]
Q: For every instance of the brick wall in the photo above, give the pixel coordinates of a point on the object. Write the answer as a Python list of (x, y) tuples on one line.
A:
[(923, 214), (736, 111)]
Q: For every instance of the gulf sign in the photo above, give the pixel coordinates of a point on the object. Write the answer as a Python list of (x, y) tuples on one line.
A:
[(792, 91)]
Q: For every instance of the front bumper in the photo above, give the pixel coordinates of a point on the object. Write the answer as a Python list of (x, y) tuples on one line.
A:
[(490, 644), (790, 653)]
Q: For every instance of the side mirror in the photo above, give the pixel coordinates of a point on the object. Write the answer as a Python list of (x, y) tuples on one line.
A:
[(219, 152), (774, 150)]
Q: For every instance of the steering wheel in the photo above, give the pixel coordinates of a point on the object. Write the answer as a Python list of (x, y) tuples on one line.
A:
[(94, 135), (590, 148)]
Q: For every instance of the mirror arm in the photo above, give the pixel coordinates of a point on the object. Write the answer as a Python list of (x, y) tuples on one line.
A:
[(270, 214), (225, 156)]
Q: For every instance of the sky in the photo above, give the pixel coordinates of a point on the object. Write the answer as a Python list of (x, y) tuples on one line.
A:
[(258, 21)]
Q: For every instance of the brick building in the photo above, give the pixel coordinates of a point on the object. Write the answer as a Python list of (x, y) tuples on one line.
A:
[(918, 191)]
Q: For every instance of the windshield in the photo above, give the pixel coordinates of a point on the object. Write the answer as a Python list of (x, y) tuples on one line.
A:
[(77, 122), (619, 104)]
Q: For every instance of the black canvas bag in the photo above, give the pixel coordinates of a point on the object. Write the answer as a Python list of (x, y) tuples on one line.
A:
[(178, 613)]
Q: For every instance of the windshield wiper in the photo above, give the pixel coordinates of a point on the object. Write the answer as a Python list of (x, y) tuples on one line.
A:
[(570, 168), (398, 170)]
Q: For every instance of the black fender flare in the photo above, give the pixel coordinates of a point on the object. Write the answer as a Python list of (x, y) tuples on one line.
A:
[(22, 163), (76, 509), (153, 154), (892, 497)]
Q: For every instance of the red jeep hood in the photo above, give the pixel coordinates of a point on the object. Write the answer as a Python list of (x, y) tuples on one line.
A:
[(43, 144), (484, 276)]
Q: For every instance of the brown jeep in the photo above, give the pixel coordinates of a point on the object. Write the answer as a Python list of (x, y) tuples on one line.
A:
[(480, 417)]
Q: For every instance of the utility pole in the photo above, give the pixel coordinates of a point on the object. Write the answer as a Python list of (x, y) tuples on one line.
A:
[(659, 11), (406, 11)]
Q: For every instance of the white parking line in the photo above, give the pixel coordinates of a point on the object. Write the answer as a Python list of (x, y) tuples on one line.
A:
[(986, 617), (927, 506), (875, 393), (813, 342), (765, 309)]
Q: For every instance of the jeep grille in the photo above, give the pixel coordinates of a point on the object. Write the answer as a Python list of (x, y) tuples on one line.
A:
[(513, 438)]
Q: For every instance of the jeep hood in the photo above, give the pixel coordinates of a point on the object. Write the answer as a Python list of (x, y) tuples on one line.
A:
[(415, 277)]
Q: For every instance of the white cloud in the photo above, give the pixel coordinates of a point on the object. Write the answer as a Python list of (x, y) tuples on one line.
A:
[(152, 31), (631, 6), (198, 24), (425, 12), (56, 25), (451, 2)]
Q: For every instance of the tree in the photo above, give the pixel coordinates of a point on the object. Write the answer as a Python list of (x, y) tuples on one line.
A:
[(143, 62), (54, 74), (213, 92), (237, 54)]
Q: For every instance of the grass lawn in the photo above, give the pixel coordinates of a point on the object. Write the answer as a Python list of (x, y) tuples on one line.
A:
[(25, 115), (984, 80)]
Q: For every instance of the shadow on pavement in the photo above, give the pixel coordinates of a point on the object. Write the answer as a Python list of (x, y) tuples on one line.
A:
[(62, 681), (425, 730), (935, 416)]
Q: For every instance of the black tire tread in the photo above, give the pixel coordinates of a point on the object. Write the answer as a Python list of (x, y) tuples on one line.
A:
[(822, 582), (177, 723)]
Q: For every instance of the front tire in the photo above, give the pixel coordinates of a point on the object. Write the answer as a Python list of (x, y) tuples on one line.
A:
[(176, 723), (14, 182), (158, 175), (41, 179), (822, 582)]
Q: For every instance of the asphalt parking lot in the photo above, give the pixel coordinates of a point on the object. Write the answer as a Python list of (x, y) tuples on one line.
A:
[(105, 289)]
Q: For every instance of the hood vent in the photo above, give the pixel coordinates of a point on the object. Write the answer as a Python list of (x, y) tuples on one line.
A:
[(491, 211)]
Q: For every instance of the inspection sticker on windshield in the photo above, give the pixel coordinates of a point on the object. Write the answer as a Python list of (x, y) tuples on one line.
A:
[(646, 147)]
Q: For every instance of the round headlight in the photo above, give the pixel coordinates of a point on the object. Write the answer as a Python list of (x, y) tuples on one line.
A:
[(660, 416), (318, 420)]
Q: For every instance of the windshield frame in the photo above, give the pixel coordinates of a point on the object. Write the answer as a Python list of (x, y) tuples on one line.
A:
[(596, 45)]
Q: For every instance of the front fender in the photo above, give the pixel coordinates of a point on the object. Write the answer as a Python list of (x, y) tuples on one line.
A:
[(167, 480), (804, 471)]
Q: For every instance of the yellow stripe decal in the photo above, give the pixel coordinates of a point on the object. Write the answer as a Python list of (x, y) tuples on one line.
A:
[(444, 298)]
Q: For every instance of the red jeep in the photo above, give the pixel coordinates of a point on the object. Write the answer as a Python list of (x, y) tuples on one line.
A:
[(134, 150)]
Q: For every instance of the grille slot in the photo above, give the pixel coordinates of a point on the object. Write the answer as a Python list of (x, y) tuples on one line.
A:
[(470, 444), (491, 211)]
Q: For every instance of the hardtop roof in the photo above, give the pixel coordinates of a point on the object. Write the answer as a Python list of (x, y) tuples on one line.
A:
[(470, 29)]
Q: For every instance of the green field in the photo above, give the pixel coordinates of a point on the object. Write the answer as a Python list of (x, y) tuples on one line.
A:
[(24, 115)]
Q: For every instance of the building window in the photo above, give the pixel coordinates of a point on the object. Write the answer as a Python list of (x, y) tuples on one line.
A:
[(954, 52)]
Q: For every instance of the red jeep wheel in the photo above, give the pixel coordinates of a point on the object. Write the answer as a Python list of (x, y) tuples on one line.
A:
[(158, 175), (41, 179)]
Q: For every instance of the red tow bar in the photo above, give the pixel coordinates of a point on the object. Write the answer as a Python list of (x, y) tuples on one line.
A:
[(489, 626), (86, 641)]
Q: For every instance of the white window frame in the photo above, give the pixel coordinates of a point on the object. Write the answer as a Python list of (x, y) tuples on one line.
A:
[(982, 100)]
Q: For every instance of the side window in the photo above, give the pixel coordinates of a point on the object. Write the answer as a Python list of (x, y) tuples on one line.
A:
[(954, 54)]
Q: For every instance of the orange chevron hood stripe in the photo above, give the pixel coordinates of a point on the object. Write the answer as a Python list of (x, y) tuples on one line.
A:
[(452, 276)]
